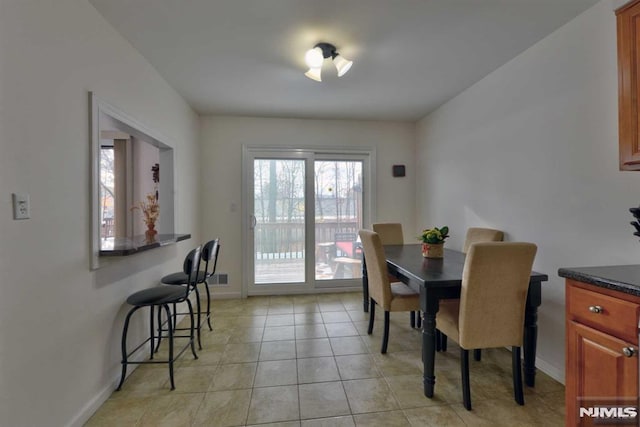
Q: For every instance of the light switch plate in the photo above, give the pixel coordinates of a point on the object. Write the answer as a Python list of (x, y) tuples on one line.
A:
[(21, 206)]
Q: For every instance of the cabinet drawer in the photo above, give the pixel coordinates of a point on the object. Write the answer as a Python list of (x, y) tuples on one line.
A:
[(616, 316)]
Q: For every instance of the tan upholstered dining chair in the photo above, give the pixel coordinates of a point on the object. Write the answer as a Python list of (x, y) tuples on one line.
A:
[(478, 235), (390, 296), (391, 234), (474, 235), (491, 309)]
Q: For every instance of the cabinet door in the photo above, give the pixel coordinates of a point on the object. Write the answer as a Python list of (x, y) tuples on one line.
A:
[(628, 22), (598, 371)]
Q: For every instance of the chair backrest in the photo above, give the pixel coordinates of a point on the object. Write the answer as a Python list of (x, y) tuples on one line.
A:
[(210, 256), (377, 274), (493, 297), (390, 232), (190, 267), (480, 235)]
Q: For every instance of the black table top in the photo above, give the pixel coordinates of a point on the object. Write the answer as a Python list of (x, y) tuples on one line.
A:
[(622, 278), (443, 272)]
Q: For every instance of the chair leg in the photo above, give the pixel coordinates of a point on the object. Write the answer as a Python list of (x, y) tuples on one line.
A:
[(443, 341), (517, 375), (152, 332), (372, 315), (206, 286), (412, 318), (192, 329), (419, 319), (464, 372), (159, 329), (198, 317), (477, 354), (438, 340), (175, 316), (123, 347), (385, 336), (170, 330)]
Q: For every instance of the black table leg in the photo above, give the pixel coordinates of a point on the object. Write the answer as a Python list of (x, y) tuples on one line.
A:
[(534, 299), (429, 310)]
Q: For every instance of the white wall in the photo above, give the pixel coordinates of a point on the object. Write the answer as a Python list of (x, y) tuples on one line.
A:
[(60, 323), (532, 150), (222, 140)]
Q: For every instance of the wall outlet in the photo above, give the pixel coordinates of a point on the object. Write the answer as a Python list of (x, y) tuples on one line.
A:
[(21, 206)]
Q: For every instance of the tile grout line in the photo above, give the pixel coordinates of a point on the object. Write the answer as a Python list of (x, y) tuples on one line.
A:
[(246, 420)]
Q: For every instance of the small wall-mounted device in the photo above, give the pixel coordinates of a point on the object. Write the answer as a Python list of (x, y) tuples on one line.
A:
[(398, 171), (21, 208)]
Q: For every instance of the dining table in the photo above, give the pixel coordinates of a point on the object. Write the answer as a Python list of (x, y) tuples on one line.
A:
[(441, 278)]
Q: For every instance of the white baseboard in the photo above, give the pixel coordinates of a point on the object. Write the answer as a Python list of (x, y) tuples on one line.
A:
[(550, 370), (91, 407), (329, 290), (226, 295), (98, 400), (547, 368), (306, 291)]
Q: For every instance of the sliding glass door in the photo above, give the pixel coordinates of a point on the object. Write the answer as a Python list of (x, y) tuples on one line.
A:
[(303, 212), (337, 218), (278, 221)]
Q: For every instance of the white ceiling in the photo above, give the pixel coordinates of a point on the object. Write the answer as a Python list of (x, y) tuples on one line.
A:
[(246, 57)]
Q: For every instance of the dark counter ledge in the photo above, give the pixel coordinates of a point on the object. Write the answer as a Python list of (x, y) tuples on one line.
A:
[(622, 278), (129, 246)]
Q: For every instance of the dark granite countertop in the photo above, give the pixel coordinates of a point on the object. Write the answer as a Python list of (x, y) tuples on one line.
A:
[(132, 245), (622, 278)]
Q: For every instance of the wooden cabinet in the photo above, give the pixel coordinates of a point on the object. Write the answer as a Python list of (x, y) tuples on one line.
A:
[(628, 23), (601, 349)]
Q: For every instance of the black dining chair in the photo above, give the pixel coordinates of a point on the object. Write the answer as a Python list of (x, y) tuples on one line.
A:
[(210, 252), (161, 297)]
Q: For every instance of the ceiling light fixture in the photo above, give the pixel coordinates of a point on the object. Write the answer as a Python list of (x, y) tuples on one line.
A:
[(315, 58)]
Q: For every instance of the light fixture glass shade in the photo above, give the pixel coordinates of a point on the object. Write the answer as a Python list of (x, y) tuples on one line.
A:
[(314, 58), (342, 65), (314, 73)]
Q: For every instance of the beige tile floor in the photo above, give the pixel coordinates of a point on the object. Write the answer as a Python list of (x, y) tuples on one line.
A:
[(302, 361)]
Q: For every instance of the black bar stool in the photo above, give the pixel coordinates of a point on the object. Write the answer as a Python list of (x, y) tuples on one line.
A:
[(161, 297), (210, 257)]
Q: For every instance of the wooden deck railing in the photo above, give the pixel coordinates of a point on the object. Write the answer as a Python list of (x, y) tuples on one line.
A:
[(286, 240)]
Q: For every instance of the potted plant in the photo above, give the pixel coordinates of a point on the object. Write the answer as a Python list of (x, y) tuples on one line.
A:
[(150, 211), (433, 241)]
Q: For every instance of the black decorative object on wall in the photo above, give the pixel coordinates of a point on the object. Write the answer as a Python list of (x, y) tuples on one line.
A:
[(636, 223), (155, 169), (398, 170)]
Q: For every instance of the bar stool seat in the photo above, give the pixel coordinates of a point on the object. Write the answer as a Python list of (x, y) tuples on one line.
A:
[(180, 278), (155, 296)]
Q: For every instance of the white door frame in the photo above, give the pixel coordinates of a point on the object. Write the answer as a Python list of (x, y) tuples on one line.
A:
[(249, 153)]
